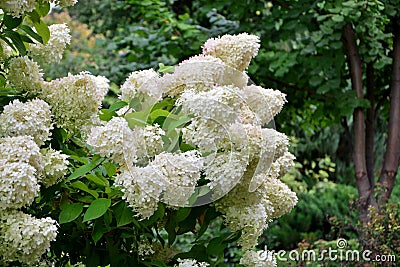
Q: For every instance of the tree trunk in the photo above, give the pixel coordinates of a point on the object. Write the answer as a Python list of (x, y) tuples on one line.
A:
[(365, 191), (370, 125), (392, 155)]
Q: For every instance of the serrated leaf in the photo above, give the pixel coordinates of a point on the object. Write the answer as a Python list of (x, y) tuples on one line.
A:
[(70, 212), (97, 209)]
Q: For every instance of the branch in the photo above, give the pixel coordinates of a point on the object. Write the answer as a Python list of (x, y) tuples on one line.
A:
[(392, 155), (360, 166)]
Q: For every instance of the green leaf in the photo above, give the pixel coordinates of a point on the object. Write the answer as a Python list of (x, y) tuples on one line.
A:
[(17, 41), (337, 18), (110, 168), (182, 214), (98, 231), (34, 16), (165, 69), (82, 171), (100, 181), (11, 22), (43, 9), (42, 30), (70, 213), (123, 214), (159, 113), (97, 209), (106, 114), (31, 33), (81, 186), (136, 119), (117, 105)]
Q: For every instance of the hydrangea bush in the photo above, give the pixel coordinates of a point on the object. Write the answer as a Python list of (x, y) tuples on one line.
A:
[(180, 148)]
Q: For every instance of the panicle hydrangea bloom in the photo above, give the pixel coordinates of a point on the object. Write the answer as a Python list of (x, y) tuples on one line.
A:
[(266, 103), (206, 134), (190, 263), (224, 170), (279, 194), (75, 99), (18, 7), (139, 200), (170, 178), (260, 258), (21, 149), (145, 248), (234, 50), (24, 238), (55, 166), (221, 103), (201, 73), (30, 118), (25, 75), (107, 140), (6, 51), (125, 146), (144, 81), (18, 185), (52, 52)]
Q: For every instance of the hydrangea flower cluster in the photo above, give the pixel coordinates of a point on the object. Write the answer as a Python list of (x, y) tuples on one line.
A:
[(54, 49), (83, 92), (24, 238), (191, 263), (25, 75), (230, 149), (29, 118)]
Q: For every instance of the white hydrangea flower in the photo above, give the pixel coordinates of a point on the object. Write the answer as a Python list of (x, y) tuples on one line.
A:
[(52, 52), (18, 7), (145, 248), (30, 118), (75, 99), (24, 238), (224, 170), (139, 200), (125, 146), (201, 73), (190, 263), (25, 75), (234, 50), (144, 81), (18, 185), (266, 103), (179, 174), (221, 103), (279, 194), (55, 166), (206, 134), (260, 258), (170, 178), (108, 140), (21, 149), (6, 51)]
